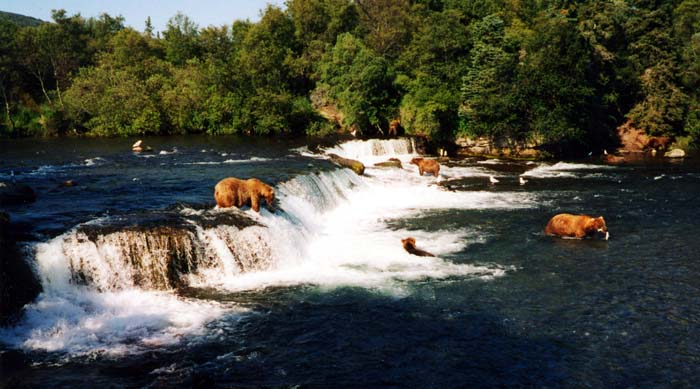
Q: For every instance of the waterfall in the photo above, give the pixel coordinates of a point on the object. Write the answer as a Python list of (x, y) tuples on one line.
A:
[(153, 251), (118, 278), (376, 149)]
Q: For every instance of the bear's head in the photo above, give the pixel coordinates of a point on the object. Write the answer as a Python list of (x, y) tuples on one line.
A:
[(269, 194), (408, 243), (597, 225), (416, 161)]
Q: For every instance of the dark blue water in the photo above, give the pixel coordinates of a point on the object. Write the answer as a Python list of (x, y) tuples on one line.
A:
[(111, 179), (594, 313)]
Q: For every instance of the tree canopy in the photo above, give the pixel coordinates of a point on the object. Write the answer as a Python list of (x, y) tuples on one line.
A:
[(552, 72)]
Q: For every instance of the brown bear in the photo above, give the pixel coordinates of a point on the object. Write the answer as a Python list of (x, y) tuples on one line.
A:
[(409, 244), (611, 159), (657, 143), (233, 192), (576, 226), (394, 127), (426, 166)]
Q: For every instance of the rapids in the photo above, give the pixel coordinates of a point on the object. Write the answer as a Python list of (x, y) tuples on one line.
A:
[(146, 264)]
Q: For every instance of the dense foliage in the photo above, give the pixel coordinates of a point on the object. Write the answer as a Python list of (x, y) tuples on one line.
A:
[(552, 72)]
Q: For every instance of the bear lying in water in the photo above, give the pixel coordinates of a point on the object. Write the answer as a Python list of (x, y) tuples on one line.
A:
[(234, 192), (409, 244), (576, 226), (426, 166)]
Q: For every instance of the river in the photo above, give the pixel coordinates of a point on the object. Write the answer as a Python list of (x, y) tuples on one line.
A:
[(321, 293)]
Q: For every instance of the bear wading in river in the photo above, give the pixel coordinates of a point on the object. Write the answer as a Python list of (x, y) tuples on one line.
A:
[(576, 226), (426, 166), (234, 192), (409, 244)]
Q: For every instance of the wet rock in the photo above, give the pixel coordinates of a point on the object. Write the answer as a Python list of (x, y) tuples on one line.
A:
[(356, 166), (18, 283), (13, 193), (12, 361), (421, 144), (157, 250), (392, 162), (165, 221), (139, 147), (675, 153), (67, 184)]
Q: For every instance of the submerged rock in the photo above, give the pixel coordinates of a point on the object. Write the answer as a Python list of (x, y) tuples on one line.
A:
[(18, 283), (13, 193), (356, 166)]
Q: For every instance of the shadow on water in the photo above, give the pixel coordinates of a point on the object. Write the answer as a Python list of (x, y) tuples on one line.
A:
[(344, 337)]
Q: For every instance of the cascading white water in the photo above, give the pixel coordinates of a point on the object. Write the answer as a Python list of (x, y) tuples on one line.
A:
[(359, 149), (333, 230)]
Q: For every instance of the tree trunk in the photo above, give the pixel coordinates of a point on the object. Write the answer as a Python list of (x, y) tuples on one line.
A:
[(10, 123), (58, 88), (43, 88)]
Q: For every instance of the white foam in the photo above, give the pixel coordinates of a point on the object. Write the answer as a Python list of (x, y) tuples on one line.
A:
[(338, 223), (494, 161), (79, 320), (93, 161), (372, 151), (229, 161), (334, 230), (563, 170), (85, 322)]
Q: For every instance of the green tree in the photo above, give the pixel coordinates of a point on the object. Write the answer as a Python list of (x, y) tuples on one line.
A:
[(121, 95), (362, 84), (385, 24), (317, 24), (181, 39), (433, 66), (491, 105)]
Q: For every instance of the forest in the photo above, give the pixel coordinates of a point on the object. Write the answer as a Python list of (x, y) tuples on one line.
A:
[(565, 73)]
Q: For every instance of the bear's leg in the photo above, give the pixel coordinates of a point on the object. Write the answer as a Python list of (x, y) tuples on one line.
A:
[(420, 170), (255, 203)]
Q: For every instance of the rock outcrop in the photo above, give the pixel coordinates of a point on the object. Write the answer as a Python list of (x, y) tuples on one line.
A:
[(13, 193), (635, 140), (632, 139), (675, 153), (157, 250), (484, 146)]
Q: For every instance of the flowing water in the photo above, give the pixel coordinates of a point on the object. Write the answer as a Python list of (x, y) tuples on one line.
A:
[(145, 283)]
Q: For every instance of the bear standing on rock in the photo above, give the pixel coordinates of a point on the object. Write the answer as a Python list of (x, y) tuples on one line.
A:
[(426, 166), (576, 226), (234, 192)]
